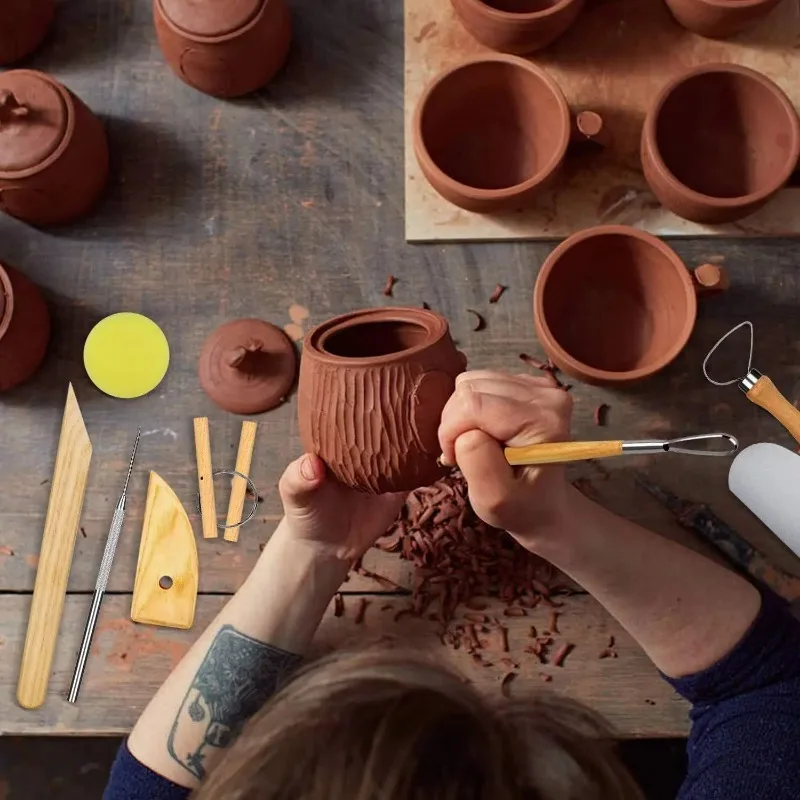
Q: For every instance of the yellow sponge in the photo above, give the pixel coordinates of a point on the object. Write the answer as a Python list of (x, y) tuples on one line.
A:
[(126, 355)]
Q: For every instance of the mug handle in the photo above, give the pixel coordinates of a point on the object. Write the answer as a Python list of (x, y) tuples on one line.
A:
[(710, 279)]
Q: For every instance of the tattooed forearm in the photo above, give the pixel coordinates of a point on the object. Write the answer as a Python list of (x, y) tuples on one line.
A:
[(235, 679)]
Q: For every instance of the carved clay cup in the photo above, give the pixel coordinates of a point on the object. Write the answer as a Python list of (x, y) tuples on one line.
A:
[(373, 385), (225, 49), (517, 26), (718, 142), (24, 327), (23, 26), (614, 305), (719, 19)]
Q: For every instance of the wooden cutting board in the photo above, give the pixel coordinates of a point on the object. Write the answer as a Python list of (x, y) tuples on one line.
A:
[(617, 73)]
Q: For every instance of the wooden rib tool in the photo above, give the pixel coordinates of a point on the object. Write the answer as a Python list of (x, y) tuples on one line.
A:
[(55, 557), (205, 478), (244, 458)]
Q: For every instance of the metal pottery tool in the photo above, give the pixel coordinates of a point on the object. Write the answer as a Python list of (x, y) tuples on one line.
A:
[(55, 557), (758, 388), (564, 452), (700, 520), (102, 580)]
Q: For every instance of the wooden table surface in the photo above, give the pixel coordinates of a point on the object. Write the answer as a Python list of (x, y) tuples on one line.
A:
[(285, 202)]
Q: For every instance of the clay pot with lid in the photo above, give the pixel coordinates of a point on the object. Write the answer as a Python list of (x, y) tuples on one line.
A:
[(373, 385), (517, 26), (227, 48), (23, 26), (719, 19), (614, 305), (718, 142), (53, 150), (24, 327)]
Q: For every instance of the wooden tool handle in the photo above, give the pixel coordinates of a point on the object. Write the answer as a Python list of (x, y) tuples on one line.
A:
[(767, 395), (560, 452), (244, 458)]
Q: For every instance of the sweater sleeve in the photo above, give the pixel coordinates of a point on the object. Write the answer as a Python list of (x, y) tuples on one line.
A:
[(745, 737), (132, 780)]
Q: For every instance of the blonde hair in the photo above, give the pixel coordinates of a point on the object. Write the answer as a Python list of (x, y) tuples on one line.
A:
[(387, 725)]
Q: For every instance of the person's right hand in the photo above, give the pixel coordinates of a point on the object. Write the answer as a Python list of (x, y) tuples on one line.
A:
[(489, 410)]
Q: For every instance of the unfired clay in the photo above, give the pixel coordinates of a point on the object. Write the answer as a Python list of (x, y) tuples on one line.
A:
[(225, 49), (373, 385), (719, 19), (718, 142), (53, 150), (23, 26), (517, 26), (491, 133), (24, 327), (613, 304), (248, 366)]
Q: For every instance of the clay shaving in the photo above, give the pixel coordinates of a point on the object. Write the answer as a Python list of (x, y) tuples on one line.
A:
[(361, 610), (388, 290), (338, 605), (601, 414), (497, 293), (480, 322), (505, 685)]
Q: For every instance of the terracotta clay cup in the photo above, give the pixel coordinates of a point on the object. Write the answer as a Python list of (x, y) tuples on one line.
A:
[(718, 142), (373, 384), (23, 26), (719, 19), (517, 26), (614, 305), (227, 48), (492, 133), (24, 327), (53, 150)]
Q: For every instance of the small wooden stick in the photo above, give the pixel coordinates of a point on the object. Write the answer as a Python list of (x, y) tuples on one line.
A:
[(247, 442), (205, 478)]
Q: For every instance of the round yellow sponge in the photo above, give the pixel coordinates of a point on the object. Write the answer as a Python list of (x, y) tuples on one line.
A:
[(126, 355)]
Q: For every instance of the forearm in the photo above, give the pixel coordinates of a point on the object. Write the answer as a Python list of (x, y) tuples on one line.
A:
[(685, 610), (231, 670)]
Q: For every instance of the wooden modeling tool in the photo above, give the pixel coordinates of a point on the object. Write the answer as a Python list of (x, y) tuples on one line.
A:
[(165, 589), (244, 458), (758, 388), (205, 478), (55, 557)]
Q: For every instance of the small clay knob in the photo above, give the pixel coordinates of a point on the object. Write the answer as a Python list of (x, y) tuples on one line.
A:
[(10, 107), (244, 355), (589, 126), (711, 278)]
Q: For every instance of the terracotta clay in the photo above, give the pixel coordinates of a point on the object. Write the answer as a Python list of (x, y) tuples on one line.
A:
[(718, 142), (719, 19), (517, 26), (53, 150), (24, 327), (224, 49), (373, 384), (613, 304), (491, 133), (247, 366), (23, 26)]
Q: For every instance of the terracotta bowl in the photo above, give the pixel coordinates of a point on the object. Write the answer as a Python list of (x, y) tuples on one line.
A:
[(613, 304), (718, 142), (517, 26), (24, 327), (373, 385), (719, 19), (23, 26), (225, 49), (491, 133)]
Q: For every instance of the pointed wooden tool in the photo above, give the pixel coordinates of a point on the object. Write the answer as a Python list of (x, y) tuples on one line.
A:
[(244, 458), (205, 478), (55, 557), (165, 589)]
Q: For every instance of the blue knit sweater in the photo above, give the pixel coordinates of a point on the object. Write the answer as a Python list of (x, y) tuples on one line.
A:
[(745, 738)]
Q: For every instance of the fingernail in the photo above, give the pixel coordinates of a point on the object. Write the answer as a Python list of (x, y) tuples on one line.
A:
[(308, 468)]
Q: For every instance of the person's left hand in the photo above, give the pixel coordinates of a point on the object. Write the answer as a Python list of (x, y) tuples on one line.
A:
[(338, 520)]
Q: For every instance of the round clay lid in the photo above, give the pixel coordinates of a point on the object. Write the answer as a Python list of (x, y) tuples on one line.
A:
[(247, 366), (33, 119), (210, 17)]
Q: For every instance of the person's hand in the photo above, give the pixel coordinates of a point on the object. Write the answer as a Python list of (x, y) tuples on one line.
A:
[(339, 521), (489, 410)]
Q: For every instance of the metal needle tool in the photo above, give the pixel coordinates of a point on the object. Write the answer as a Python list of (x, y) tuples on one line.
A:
[(102, 580)]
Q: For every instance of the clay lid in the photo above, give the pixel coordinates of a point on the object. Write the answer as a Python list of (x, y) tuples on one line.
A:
[(210, 17), (33, 119), (247, 366), (3, 292)]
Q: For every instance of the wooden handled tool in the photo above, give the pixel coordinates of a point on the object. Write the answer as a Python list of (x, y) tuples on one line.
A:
[(205, 478), (244, 458), (71, 471)]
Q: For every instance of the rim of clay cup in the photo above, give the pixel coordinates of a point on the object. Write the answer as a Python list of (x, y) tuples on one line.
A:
[(524, 15), (474, 192), (435, 325), (736, 3), (604, 375), (7, 295), (735, 69), (217, 38)]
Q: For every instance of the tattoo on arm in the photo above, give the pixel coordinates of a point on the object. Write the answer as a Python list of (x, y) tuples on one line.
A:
[(236, 678)]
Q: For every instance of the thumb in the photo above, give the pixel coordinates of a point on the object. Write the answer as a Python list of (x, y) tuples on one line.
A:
[(300, 481), (489, 476)]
